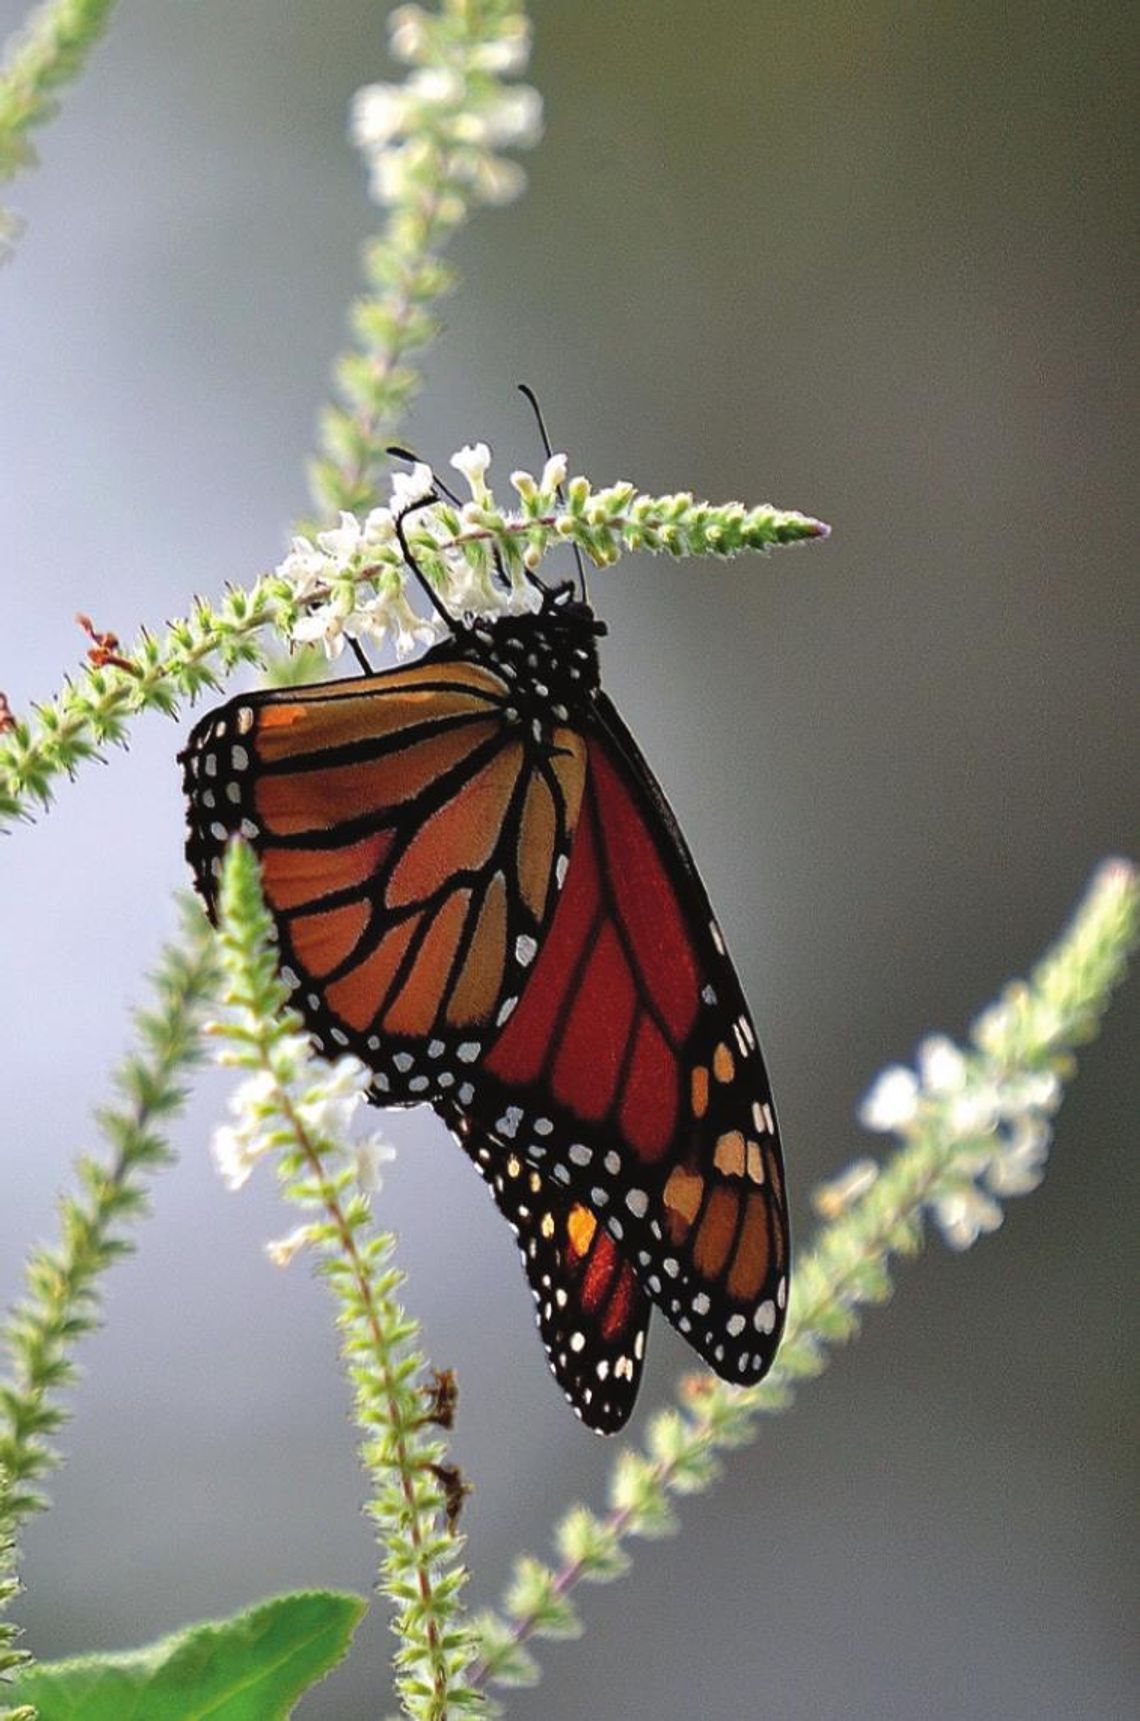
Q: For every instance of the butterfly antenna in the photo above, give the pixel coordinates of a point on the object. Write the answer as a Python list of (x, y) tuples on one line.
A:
[(525, 389), (414, 460)]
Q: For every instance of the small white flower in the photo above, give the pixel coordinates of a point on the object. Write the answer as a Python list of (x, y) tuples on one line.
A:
[(496, 180), (1018, 1167), (964, 1216), (379, 113), (407, 32), (368, 1155), (255, 1097), (941, 1065), (282, 1250), (832, 1199), (508, 54), (305, 567), (328, 1107), (975, 1110), (993, 1027), (514, 118), (473, 462), (291, 1055), (342, 542), (553, 474), (1041, 1091), (379, 527), (438, 86), (390, 175), (411, 630), (322, 626), (411, 487), (235, 1150), (892, 1102)]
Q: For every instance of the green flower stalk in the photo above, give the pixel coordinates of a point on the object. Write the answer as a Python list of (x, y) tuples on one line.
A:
[(62, 1300), (50, 50), (297, 1108), (973, 1133), (432, 146), (61, 1304), (352, 581), (12, 1657)]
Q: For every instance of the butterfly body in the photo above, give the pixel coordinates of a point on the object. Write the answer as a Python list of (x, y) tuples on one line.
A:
[(481, 891)]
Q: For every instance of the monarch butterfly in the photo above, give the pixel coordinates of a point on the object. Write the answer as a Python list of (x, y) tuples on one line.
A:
[(481, 891)]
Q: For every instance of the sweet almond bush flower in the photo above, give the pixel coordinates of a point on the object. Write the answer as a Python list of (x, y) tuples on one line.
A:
[(354, 588), (892, 1102), (367, 1156), (282, 1251), (996, 1113), (473, 462), (965, 1215), (1020, 1166), (330, 1106), (941, 1065), (457, 109)]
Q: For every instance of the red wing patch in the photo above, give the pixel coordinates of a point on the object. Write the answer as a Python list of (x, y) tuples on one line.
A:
[(629, 1075)]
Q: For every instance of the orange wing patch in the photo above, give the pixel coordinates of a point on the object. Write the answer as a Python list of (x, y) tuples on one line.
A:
[(411, 847), (322, 797)]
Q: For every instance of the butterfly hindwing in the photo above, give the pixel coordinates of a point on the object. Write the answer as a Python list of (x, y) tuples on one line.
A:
[(631, 1076), (592, 1314)]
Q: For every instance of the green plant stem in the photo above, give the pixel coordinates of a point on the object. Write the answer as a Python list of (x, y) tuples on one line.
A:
[(62, 1301), (405, 275), (295, 1106), (12, 1657), (95, 710), (50, 49), (383, 1357)]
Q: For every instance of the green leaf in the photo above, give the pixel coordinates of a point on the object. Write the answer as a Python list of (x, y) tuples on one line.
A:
[(253, 1667)]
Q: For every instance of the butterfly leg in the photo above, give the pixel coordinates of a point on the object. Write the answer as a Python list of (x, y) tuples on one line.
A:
[(436, 601)]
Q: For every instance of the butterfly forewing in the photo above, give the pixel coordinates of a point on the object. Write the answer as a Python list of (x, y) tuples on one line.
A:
[(411, 850)]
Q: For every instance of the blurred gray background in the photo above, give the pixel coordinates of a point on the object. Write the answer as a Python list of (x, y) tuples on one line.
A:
[(869, 261)]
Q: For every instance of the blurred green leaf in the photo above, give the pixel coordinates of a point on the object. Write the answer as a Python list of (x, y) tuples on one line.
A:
[(253, 1667)]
